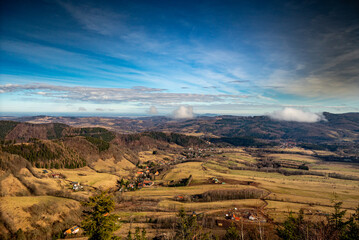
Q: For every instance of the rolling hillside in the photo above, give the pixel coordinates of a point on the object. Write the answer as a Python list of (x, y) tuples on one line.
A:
[(55, 145), (336, 128)]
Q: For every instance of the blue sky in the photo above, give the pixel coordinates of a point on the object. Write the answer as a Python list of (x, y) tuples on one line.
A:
[(221, 57)]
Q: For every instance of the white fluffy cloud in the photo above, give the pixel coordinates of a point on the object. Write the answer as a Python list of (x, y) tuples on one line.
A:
[(296, 115), (153, 110), (183, 112)]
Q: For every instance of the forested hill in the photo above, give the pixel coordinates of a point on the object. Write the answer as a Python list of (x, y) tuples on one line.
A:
[(17, 131), (58, 145)]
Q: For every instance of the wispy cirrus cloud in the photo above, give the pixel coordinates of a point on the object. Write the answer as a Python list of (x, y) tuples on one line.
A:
[(209, 55), (107, 22), (79, 65), (130, 53), (95, 19), (139, 94), (204, 64)]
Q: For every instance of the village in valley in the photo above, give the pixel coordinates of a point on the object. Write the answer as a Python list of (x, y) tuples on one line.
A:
[(220, 186), (152, 175)]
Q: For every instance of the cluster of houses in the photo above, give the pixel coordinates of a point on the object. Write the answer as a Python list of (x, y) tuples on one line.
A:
[(145, 183), (142, 179), (152, 170), (288, 144), (52, 174), (76, 186), (232, 216), (133, 186), (235, 215), (194, 153)]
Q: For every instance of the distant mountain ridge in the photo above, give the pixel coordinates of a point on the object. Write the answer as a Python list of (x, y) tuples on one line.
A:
[(58, 145), (336, 128)]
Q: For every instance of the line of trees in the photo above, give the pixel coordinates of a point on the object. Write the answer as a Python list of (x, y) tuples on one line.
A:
[(333, 228), (99, 224), (229, 194)]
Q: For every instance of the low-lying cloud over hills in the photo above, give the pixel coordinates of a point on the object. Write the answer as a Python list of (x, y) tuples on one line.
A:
[(296, 115), (153, 110), (183, 112)]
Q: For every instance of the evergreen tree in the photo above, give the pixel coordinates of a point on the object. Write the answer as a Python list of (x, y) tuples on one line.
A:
[(352, 231), (129, 235), (293, 228), (57, 165), (336, 227), (188, 228), (335, 220), (140, 235), (232, 233), (137, 234), (143, 234), (99, 223)]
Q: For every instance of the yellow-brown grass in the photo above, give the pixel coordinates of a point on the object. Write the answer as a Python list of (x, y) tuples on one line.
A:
[(87, 176), (294, 157), (11, 186), (14, 210)]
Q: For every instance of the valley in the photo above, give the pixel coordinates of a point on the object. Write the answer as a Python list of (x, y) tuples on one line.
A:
[(153, 175)]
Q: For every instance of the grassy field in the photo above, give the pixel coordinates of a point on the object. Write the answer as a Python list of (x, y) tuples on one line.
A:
[(184, 170), (295, 189), (348, 169), (295, 150), (87, 176), (287, 192), (237, 156), (122, 168), (294, 158), (315, 194), (159, 156), (11, 186), (18, 206)]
